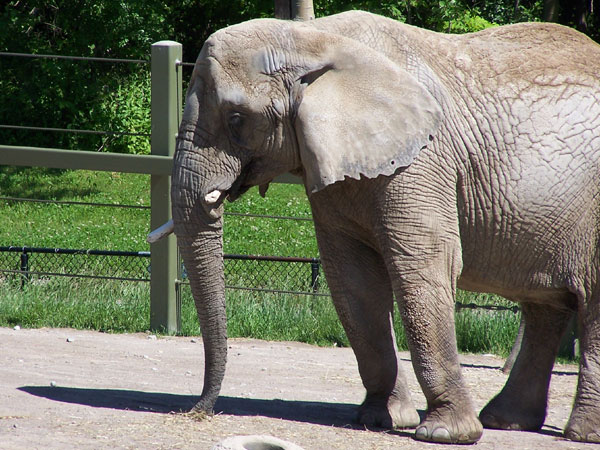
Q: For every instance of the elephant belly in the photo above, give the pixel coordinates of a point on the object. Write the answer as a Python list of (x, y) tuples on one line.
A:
[(537, 257), (519, 290)]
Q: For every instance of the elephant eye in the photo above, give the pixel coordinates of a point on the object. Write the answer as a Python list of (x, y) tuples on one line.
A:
[(235, 121)]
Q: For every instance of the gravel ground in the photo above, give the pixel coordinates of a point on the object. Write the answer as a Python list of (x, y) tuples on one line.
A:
[(63, 388)]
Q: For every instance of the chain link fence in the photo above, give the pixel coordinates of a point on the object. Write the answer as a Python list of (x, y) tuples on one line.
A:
[(256, 273), (282, 275), (26, 263), (275, 274)]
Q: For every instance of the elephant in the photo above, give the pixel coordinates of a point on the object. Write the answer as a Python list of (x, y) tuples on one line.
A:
[(431, 162)]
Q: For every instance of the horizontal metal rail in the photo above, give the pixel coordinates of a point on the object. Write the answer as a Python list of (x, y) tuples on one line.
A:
[(74, 203), (26, 271), (276, 291), (514, 309), (77, 159), (74, 131), (12, 155), (144, 254), (262, 216), (75, 58), (288, 259), (69, 251), (116, 205)]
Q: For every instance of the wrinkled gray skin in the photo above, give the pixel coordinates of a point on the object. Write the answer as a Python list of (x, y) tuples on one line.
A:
[(431, 162)]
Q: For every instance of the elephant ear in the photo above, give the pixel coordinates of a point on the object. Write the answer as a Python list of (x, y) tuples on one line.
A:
[(360, 115)]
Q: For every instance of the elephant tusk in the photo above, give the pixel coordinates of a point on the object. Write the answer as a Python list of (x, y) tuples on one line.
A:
[(212, 197), (160, 232)]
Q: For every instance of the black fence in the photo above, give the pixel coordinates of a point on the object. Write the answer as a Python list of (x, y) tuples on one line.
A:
[(270, 274), (255, 273)]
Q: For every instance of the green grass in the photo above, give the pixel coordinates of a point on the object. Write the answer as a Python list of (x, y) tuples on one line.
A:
[(124, 306), (74, 226), (73, 303), (101, 228)]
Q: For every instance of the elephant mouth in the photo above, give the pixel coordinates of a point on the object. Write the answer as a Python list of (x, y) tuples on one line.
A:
[(214, 199), (238, 188)]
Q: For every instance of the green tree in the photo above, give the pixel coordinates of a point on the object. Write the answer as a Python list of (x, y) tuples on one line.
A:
[(115, 97), (440, 15), (73, 94), (193, 21)]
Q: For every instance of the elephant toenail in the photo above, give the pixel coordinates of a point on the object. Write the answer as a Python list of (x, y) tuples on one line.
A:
[(422, 434), (441, 435), (573, 436), (593, 437)]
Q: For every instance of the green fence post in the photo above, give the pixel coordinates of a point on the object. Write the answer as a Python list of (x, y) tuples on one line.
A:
[(166, 109)]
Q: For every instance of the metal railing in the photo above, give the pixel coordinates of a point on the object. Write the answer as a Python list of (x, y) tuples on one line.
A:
[(24, 263), (166, 94), (273, 274), (270, 274)]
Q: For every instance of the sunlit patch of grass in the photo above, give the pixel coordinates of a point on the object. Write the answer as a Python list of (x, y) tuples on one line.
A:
[(81, 304), (124, 307)]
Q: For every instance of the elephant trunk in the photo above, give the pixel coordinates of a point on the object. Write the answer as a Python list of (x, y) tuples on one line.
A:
[(200, 239), (203, 258)]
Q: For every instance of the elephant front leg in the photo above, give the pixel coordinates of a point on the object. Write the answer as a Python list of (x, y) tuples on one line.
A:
[(427, 309), (363, 298)]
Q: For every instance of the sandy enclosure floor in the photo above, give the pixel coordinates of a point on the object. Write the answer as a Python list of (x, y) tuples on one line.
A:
[(62, 388)]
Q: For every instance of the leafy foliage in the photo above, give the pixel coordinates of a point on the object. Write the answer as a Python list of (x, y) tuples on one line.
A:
[(77, 94), (115, 97), (195, 20)]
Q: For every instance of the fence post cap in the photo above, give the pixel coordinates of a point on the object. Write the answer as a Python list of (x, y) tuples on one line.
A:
[(166, 43)]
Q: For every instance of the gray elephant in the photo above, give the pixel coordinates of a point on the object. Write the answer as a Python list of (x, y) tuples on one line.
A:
[(431, 162)]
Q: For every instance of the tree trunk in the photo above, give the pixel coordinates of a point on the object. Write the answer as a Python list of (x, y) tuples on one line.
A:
[(283, 9), (551, 10), (515, 15), (584, 7), (294, 9)]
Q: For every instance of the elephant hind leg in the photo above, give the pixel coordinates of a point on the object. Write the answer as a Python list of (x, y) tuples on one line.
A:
[(584, 423), (363, 297), (521, 405)]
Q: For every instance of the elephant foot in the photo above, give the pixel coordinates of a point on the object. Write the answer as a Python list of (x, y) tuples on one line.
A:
[(388, 413), (582, 429), (505, 415), (445, 425)]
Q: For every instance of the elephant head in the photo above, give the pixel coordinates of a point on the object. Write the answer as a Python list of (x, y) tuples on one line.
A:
[(269, 97)]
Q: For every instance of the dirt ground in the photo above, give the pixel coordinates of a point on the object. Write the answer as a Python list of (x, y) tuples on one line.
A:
[(62, 388)]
